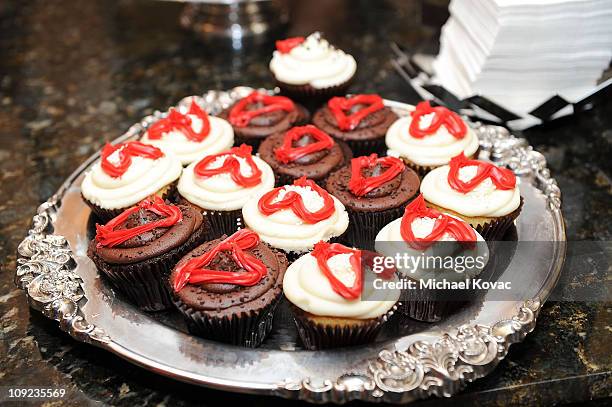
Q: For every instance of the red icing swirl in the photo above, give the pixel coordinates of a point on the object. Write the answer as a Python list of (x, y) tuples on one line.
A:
[(181, 122), (287, 153), (339, 106), (442, 117), (231, 165), (285, 46), (108, 236), (125, 154), (293, 200), (239, 116), (360, 185), (502, 178), (194, 271), (323, 251), (459, 230)]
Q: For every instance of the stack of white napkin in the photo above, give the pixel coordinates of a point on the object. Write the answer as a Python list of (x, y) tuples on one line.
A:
[(520, 53)]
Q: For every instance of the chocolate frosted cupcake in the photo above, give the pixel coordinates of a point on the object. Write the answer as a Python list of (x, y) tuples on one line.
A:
[(331, 307), (228, 288), (126, 174), (484, 195), (295, 217), (310, 69), (304, 151), (426, 234), (361, 121), (259, 115), (191, 134), (137, 249), (220, 184), (374, 191), (429, 137)]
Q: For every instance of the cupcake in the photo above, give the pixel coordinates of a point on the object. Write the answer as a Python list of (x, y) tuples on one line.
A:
[(259, 115), (295, 217), (374, 191), (220, 184), (307, 68), (137, 249), (190, 135), (484, 195), (304, 151), (227, 289), (126, 174), (425, 235), (429, 137), (361, 121), (330, 301)]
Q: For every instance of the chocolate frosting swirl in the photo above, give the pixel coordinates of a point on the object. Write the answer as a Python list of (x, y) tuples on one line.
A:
[(373, 126), (315, 166), (391, 194), (153, 243), (228, 298), (268, 123)]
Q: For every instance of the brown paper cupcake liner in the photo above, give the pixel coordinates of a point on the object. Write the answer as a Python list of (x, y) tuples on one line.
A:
[(427, 305), (104, 215), (143, 282), (247, 329), (489, 228), (311, 97), (364, 226), (324, 336), (367, 147)]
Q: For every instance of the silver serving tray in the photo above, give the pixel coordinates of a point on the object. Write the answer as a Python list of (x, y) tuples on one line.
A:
[(437, 359)]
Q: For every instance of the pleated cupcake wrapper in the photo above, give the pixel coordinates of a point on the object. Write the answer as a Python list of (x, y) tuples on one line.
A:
[(104, 215), (143, 283), (367, 147), (247, 329), (364, 226), (223, 222), (426, 305), (311, 97), (322, 336)]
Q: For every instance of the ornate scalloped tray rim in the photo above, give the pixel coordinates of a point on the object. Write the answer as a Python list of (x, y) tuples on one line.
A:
[(46, 271)]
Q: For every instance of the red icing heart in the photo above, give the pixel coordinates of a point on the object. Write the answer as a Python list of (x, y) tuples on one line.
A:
[(126, 152), (285, 46), (443, 117), (231, 165), (194, 271), (293, 200), (323, 251), (502, 178), (287, 153), (107, 236), (360, 185), (340, 105), (181, 122), (241, 117), (461, 231)]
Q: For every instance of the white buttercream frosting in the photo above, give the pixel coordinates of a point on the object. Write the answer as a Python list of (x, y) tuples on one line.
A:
[(432, 150), (285, 230), (307, 288), (220, 138), (314, 62), (484, 200), (143, 178), (389, 242), (220, 192)]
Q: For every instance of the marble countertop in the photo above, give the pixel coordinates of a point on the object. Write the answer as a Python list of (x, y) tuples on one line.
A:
[(74, 75)]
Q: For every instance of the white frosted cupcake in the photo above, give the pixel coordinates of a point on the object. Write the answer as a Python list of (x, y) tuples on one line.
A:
[(126, 174), (220, 185), (331, 304), (311, 67), (429, 137), (482, 194), (425, 235), (190, 135), (295, 217)]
